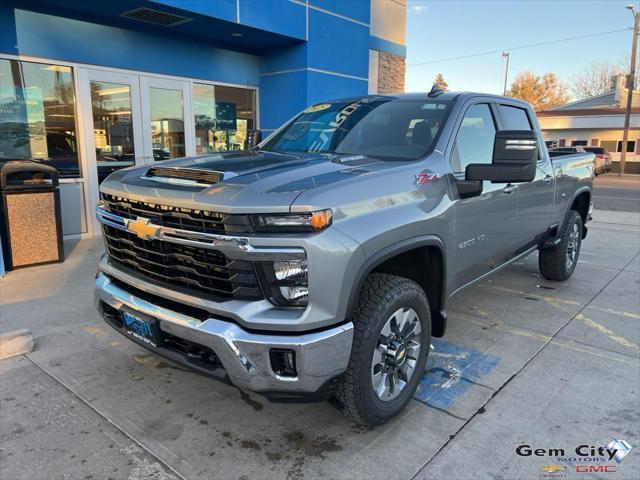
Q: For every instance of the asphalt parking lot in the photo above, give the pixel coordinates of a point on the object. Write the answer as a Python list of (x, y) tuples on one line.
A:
[(524, 362)]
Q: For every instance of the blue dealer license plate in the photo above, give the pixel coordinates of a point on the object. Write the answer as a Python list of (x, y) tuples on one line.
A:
[(141, 327)]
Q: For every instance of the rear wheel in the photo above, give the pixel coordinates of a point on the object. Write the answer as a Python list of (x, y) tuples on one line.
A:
[(560, 262), (392, 335)]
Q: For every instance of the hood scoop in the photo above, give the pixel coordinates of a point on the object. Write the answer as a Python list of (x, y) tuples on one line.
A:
[(192, 177)]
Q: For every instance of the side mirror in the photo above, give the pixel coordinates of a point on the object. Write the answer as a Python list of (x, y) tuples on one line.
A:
[(253, 138), (515, 158)]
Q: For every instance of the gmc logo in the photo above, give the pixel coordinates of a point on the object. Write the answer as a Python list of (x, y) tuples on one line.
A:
[(595, 468)]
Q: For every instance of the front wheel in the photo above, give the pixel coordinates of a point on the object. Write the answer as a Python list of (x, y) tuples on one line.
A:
[(392, 336), (560, 262)]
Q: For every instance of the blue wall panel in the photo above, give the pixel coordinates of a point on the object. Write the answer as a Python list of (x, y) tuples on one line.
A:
[(357, 9), (322, 86), (338, 45), (279, 16), (76, 41), (224, 9), (286, 58), (281, 97)]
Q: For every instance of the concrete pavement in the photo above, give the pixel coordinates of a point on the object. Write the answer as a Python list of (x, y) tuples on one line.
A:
[(524, 361)]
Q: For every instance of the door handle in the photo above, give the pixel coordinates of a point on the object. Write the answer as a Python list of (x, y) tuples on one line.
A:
[(509, 189), (547, 179)]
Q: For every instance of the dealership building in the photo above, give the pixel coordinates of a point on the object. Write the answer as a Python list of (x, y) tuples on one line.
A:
[(90, 87)]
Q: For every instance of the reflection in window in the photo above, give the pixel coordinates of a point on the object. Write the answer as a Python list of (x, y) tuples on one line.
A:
[(475, 139), (223, 117), (112, 127), (167, 123), (37, 115)]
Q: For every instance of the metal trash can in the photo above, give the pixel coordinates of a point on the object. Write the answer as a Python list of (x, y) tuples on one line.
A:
[(29, 214)]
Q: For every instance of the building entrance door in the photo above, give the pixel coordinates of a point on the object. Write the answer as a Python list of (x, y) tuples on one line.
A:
[(111, 114), (130, 120), (166, 115)]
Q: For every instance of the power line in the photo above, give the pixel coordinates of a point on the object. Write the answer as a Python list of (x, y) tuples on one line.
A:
[(450, 59)]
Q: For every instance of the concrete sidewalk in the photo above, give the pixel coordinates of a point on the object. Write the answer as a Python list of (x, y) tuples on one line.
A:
[(524, 361)]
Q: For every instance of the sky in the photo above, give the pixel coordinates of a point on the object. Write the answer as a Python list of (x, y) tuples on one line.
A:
[(441, 29)]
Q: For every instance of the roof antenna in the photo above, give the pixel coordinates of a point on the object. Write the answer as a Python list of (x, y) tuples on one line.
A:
[(436, 91)]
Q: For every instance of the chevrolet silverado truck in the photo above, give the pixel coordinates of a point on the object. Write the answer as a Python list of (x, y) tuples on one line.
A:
[(318, 263)]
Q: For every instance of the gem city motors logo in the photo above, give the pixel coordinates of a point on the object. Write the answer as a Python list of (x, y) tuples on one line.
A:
[(587, 458)]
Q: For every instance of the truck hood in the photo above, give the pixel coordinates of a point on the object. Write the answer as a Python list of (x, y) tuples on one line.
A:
[(252, 181)]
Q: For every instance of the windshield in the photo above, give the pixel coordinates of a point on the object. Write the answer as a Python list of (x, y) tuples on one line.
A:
[(375, 126)]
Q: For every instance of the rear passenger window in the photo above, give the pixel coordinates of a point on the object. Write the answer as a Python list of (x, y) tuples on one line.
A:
[(514, 118), (474, 142)]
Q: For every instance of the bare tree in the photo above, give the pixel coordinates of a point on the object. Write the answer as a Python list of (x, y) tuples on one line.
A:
[(441, 83), (595, 79), (541, 91)]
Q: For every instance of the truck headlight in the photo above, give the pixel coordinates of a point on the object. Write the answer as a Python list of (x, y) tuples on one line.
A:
[(285, 283), (292, 222)]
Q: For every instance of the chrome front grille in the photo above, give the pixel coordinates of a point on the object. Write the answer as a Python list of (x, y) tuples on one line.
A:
[(175, 217), (192, 270), (179, 265)]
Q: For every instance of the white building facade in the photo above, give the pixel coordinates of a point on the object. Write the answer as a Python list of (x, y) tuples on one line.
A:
[(598, 122)]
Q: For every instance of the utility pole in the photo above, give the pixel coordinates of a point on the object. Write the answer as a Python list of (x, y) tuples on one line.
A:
[(505, 58), (630, 83)]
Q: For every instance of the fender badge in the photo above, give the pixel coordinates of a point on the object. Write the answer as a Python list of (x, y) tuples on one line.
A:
[(426, 177)]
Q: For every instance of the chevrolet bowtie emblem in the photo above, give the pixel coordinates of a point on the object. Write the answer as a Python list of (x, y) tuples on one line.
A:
[(553, 468), (140, 226)]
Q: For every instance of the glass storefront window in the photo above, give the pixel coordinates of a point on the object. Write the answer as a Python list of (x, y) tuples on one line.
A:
[(223, 117), (112, 127), (167, 123), (38, 115)]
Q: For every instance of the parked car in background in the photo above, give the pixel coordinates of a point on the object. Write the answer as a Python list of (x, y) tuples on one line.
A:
[(567, 150), (603, 159)]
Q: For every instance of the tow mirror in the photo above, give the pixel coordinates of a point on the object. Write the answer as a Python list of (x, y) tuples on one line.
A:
[(515, 158), (253, 138)]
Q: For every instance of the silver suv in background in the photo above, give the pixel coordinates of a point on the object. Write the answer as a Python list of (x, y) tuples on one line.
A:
[(603, 159), (320, 262)]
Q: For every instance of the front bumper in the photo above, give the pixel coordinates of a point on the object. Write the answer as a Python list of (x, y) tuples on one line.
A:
[(243, 356)]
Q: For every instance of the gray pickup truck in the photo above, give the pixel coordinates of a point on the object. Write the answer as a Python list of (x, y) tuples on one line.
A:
[(319, 263)]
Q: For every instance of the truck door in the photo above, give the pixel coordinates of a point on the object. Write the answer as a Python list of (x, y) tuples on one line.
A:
[(535, 202), (484, 226)]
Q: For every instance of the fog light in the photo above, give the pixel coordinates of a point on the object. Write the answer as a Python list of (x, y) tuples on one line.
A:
[(290, 270), (285, 283), (295, 294), (283, 362)]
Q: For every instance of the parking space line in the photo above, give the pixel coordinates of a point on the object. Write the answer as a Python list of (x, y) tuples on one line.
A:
[(551, 300), (609, 333), (615, 312), (523, 332), (588, 349)]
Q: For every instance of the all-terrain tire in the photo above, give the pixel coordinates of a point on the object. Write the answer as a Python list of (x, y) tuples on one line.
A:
[(381, 296), (559, 263)]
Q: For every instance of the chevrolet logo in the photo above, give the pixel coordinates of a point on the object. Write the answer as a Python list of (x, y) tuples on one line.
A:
[(141, 227), (553, 468)]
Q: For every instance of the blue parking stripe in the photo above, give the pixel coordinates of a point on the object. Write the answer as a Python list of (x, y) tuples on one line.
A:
[(451, 369)]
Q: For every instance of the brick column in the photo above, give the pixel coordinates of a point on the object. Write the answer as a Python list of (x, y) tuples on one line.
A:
[(391, 71)]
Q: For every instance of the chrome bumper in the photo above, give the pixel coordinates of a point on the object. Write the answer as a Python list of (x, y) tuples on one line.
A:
[(320, 356)]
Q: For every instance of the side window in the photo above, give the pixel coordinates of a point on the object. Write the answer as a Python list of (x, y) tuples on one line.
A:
[(514, 118), (475, 138)]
